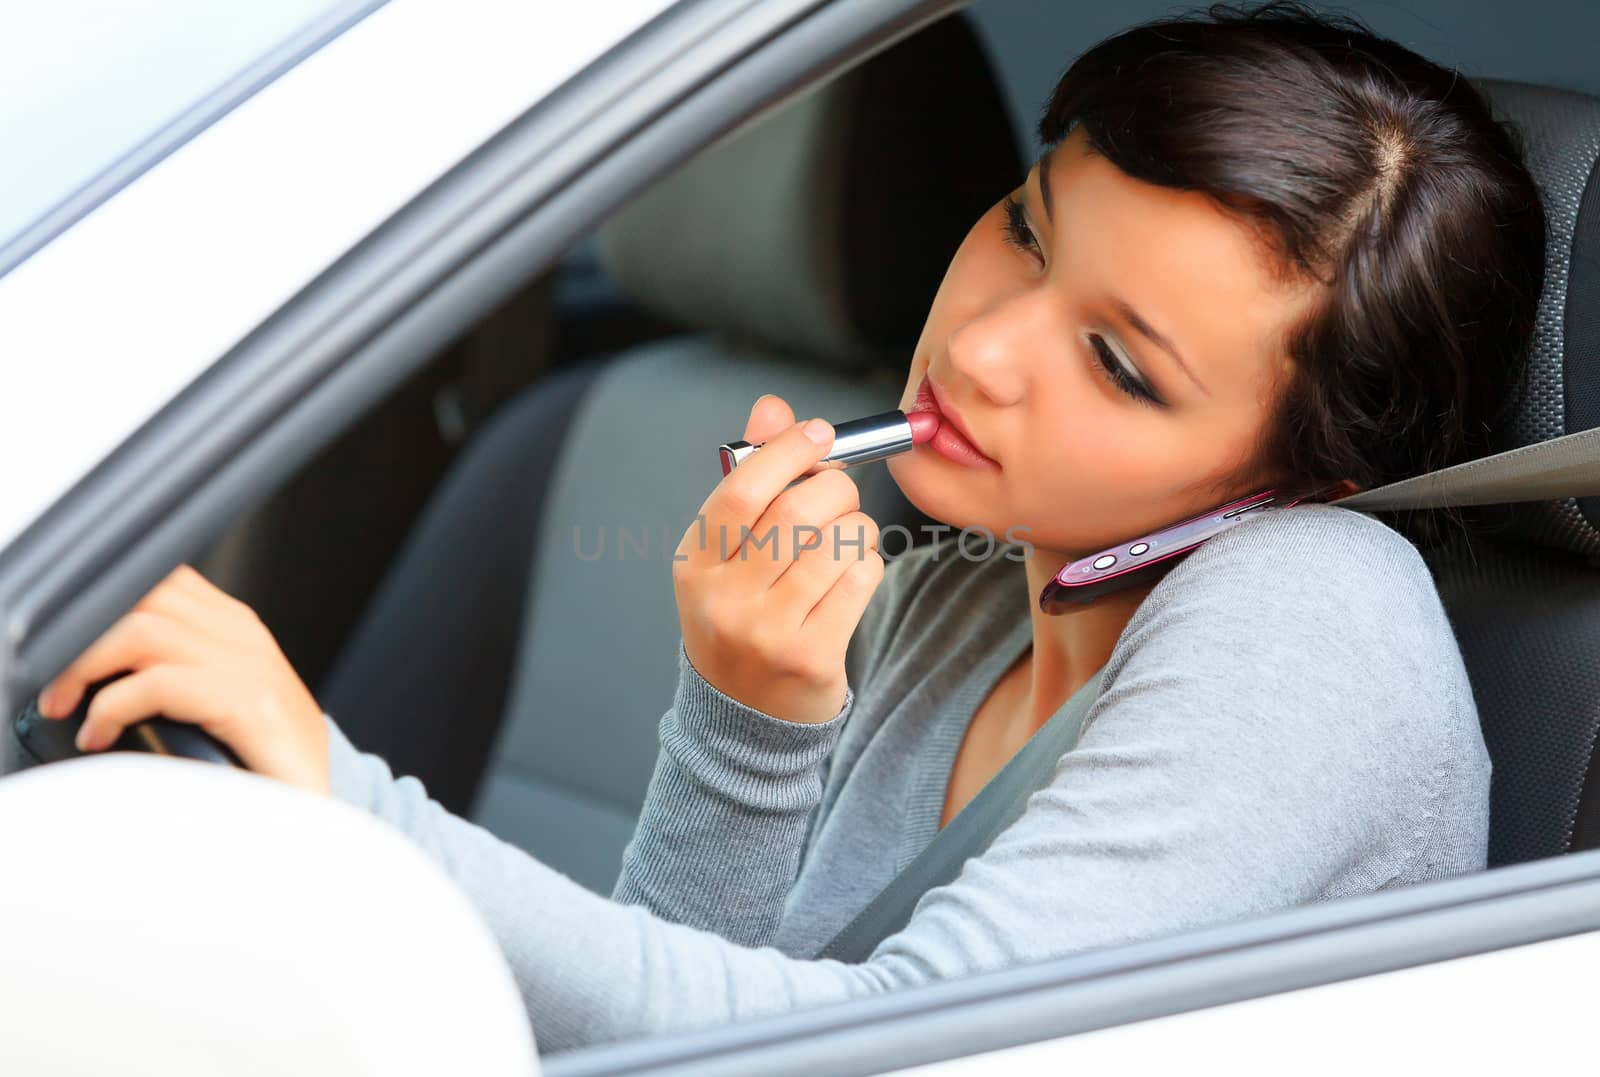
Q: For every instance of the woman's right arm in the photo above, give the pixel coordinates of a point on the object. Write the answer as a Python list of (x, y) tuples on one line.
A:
[(735, 787)]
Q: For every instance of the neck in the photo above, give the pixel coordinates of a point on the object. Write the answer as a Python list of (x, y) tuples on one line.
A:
[(1068, 648)]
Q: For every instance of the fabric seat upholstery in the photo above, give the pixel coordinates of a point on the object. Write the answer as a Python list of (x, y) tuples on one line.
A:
[(1522, 592)]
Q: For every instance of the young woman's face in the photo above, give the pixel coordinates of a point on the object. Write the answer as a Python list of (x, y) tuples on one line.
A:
[(1112, 350)]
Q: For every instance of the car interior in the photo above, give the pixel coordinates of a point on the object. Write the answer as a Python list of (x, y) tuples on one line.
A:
[(475, 581)]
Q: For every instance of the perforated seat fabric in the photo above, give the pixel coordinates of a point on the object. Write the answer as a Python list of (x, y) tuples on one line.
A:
[(1528, 622), (806, 251), (1522, 593)]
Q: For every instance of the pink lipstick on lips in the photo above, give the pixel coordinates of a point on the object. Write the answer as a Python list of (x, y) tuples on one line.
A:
[(858, 441), (951, 440)]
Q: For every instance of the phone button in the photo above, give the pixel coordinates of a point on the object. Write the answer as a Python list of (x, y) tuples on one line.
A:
[(1105, 560), (1138, 548)]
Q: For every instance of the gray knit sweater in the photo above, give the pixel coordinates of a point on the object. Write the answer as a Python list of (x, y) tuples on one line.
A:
[(1285, 719)]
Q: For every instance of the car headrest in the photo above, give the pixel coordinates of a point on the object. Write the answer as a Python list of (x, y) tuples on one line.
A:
[(825, 228), (1561, 140)]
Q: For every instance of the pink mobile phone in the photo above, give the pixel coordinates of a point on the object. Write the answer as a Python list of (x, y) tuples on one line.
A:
[(1147, 559)]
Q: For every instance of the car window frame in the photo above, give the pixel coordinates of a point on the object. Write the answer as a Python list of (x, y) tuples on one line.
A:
[(155, 147), (696, 72), (1309, 946)]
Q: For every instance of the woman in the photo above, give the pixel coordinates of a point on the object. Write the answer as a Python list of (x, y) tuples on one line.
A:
[(1262, 250)]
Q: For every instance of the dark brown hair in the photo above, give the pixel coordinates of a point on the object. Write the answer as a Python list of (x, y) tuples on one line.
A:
[(1367, 167)]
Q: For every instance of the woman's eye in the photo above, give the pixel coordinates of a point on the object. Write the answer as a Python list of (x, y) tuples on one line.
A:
[(1018, 232), (1118, 373)]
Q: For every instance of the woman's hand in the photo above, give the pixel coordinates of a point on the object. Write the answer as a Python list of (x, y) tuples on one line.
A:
[(193, 654), (771, 582)]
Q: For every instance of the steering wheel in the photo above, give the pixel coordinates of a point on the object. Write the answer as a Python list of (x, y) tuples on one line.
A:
[(50, 740)]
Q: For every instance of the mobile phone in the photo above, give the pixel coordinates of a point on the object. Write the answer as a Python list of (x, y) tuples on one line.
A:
[(1146, 559)]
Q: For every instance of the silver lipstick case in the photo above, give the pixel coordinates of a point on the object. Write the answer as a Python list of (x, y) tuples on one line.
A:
[(859, 441)]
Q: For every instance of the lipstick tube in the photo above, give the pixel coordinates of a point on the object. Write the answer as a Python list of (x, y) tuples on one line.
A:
[(859, 441)]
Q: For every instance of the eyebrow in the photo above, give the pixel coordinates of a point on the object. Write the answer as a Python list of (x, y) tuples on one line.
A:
[(1044, 185), (1143, 327)]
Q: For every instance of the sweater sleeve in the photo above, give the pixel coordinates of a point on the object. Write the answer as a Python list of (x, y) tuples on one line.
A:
[(719, 837), (733, 794), (1233, 766), (589, 968)]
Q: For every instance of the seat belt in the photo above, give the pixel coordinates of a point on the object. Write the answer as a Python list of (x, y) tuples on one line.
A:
[(1563, 467), (998, 804)]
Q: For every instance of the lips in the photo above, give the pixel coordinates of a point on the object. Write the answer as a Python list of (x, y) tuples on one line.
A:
[(953, 441)]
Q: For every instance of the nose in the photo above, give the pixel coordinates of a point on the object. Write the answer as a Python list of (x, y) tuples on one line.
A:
[(990, 349)]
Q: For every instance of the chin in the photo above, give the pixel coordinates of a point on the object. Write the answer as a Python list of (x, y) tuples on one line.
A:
[(937, 489), (927, 490)]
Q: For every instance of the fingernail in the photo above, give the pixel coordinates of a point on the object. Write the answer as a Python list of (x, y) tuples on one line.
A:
[(819, 431), (757, 404), (82, 740), (47, 704)]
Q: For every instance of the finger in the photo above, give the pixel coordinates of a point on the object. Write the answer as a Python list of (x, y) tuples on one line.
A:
[(846, 541), (199, 697), (206, 595), (173, 598), (793, 524), (169, 691), (839, 611), (138, 640), (744, 494), (770, 417)]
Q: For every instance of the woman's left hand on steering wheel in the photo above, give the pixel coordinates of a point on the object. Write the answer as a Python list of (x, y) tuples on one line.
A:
[(194, 654)]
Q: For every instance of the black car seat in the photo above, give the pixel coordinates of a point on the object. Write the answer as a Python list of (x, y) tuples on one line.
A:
[(1524, 594), (522, 650)]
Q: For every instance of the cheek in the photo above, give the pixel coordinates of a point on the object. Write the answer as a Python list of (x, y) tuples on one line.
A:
[(1099, 470), (1090, 450)]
